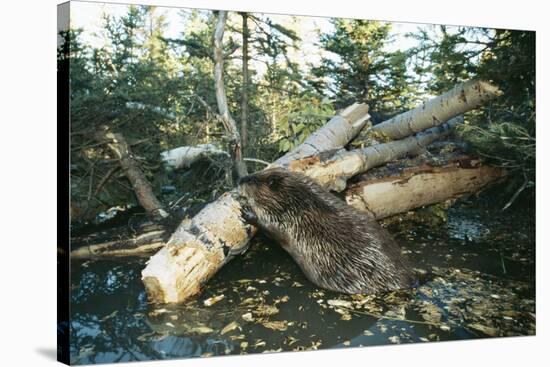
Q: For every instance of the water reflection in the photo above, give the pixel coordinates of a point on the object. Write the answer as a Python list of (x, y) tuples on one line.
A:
[(482, 284)]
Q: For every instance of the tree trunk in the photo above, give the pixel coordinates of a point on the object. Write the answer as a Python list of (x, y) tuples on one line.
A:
[(221, 98), (333, 172), (413, 187), (244, 99), (142, 188), (462, 98)]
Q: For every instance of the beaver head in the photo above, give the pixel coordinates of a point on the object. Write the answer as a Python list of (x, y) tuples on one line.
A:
[(276, 192)]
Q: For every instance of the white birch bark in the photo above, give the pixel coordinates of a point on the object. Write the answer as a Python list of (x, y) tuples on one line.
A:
[(183, 157), (462, 98), (335, 134)]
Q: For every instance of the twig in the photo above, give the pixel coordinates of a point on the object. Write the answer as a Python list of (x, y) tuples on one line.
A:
[(393, 318), (516, 194), (256, 161), (105, 179)]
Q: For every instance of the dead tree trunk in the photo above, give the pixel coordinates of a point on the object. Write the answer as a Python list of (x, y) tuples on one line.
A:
[(228, 122), (244, 99), (140, 245), (141, 186), (413, 187)]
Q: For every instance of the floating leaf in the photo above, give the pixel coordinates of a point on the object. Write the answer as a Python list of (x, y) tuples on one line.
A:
[(248, 317), (213, 300), (275, 325), (229, 327)]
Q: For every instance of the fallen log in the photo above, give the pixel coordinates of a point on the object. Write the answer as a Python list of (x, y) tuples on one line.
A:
[(140, 245), (184, 157), (462, 98), (409, 188), (396, 188), (199, 248), (333, 172), (141, 186)]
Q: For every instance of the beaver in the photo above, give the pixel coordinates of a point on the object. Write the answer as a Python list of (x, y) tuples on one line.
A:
[(337, 247)]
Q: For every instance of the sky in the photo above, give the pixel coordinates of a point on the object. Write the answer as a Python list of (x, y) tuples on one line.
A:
[(87, 15)]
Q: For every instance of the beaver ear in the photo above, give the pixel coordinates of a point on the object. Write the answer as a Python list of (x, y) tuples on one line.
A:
[(274, 182)]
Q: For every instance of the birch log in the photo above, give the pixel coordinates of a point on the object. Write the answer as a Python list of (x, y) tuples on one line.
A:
[(334, 172), (183, 157), (462, 98), (418, 186), (335, 134), (199, 248)]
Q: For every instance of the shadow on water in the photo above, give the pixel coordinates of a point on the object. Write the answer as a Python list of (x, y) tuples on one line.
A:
[(481, 285)]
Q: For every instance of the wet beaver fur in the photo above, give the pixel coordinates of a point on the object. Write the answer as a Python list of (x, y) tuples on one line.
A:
[(336, 246)]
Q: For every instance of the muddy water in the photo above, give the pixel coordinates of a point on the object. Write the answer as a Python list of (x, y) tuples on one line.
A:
[(479, 282)]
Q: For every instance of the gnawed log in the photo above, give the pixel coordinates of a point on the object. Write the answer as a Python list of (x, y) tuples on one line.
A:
[(333, 172), (197, 250), (142, 188), (413, 187), (462, 98)]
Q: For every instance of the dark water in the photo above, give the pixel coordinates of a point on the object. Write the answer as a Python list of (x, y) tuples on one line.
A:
[(480, 283)]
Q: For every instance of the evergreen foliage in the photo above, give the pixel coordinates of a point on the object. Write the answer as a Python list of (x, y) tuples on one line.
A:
[(156, 90)]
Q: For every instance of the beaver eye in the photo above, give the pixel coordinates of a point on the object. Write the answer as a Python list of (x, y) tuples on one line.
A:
[(274, 182)]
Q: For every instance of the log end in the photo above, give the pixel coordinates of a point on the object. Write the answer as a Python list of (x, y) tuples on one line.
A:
[(177, 272)]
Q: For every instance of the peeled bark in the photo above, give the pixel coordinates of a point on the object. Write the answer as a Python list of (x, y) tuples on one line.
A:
[(414, 187), (333, 173), (198, 249), (141, 186), (462, 98)]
